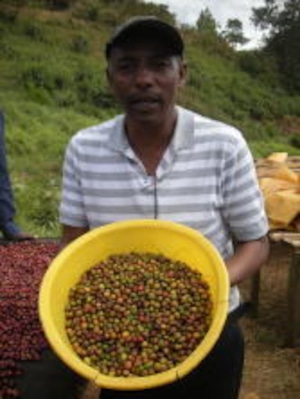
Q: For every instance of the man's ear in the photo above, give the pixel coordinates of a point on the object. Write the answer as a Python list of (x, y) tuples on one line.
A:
[(108, 77), (109, 84), (182, 73)]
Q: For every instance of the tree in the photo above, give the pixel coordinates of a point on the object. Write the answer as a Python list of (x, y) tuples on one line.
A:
[(206, 22), (233, 32), (282, 18), (264, 17)]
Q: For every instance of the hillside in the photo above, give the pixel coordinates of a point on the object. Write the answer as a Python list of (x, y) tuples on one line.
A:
[(52, 83)]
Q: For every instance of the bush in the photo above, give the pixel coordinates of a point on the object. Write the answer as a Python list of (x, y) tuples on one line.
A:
[(80, 44), (59, 4), (260, 66), (8, 15), (8, 52), (88, 10), (39, 203), (33, 30), (90, 87), (39, 94), (92, 12), (50, 76), (66, 98), (295, 141)]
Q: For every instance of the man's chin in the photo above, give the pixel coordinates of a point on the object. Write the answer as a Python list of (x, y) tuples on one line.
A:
[(145, 114), (146, 117)]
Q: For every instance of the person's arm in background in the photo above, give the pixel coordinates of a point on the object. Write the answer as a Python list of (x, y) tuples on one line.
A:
[(70, 233), (9, 228), (248, 258)]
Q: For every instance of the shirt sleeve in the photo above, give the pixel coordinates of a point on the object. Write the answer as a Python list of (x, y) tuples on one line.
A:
[(244, 208), (71, 209)]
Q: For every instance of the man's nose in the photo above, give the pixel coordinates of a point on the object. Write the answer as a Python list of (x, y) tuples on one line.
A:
[(143, 75)]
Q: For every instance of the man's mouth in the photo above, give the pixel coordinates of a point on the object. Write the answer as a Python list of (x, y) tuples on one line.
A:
[(142, 102)]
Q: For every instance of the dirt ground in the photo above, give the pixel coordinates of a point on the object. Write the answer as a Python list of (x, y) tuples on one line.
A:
[(272, 370)]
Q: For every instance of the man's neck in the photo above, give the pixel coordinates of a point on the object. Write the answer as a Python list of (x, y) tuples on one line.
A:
[(149, 141), (151, 134)]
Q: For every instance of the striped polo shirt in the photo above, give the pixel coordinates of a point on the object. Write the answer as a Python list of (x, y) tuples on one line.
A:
[(206, 180)]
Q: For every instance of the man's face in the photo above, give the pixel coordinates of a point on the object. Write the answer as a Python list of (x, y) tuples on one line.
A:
[(145, 81)]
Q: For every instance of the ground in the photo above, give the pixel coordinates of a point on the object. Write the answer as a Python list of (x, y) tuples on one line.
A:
[(272, 369)]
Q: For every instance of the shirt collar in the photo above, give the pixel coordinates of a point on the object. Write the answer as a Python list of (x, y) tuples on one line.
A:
[(183, 134)]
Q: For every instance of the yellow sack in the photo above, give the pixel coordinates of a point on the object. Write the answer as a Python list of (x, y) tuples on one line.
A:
[(280, 186), (282, 209), (285, 173), (278, 171), (271, 185), (278, 157)]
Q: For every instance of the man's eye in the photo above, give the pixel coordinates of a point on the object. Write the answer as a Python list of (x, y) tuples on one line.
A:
[(161, 63), (123, 67)]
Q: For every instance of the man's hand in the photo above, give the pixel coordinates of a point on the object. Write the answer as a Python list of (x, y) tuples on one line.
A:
[(70, 233), (248, 258)]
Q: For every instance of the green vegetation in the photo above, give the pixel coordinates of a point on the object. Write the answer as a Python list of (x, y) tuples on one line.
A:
[(283, 40), (52, 83)]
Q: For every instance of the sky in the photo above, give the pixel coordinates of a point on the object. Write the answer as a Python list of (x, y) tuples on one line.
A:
[(188, 11)]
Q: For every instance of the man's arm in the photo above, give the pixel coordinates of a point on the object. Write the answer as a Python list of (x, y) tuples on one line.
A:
[(70, 233), (248, 258)]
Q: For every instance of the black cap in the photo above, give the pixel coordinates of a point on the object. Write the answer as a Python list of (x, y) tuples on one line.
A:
[(146, 27)]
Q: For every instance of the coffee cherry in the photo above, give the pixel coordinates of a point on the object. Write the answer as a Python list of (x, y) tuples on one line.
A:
[(138, 314), (22, 266)]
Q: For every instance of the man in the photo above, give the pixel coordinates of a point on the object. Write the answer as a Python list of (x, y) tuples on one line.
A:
[(8, 227), (159, 160)]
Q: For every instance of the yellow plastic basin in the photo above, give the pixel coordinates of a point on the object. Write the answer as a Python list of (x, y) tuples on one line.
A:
[(171, 239)]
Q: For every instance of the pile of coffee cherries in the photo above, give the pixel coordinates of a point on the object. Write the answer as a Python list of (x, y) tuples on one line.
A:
[(22, 266), (138, 314)]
